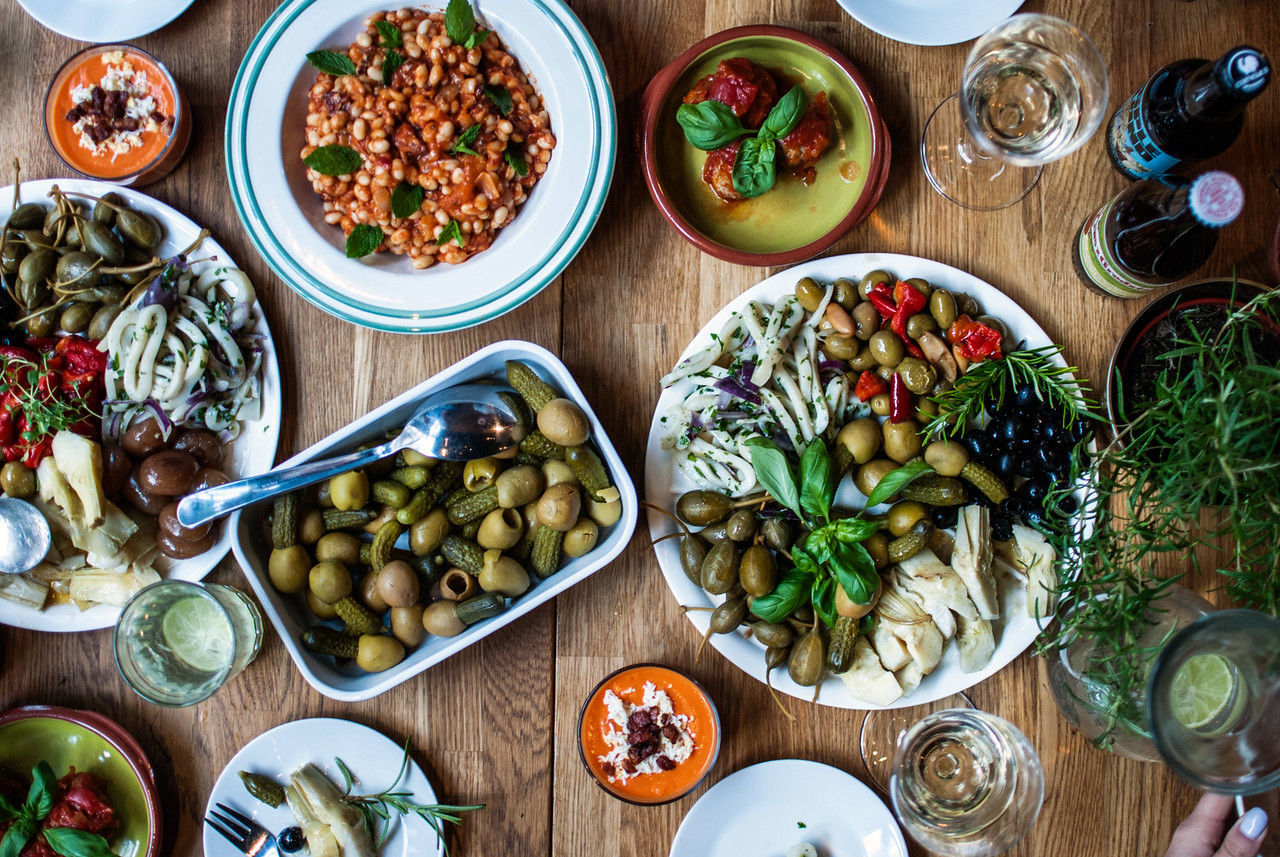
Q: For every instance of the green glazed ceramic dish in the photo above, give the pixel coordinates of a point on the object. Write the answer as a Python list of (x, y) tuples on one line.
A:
[(792, 221), (91, 743)]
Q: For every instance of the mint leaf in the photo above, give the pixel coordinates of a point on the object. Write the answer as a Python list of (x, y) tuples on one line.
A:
[(390, 63), (451, 232), (476, 38), (782, 119), (334, 160), (406, 199), (501, 98), (332, 62), (755, 170), (459, 21), (466, 140), (390, 33), (516, 161), (70, 842), (895, 480), (774, 472), (817, 487), (363, 240), (709, 124)]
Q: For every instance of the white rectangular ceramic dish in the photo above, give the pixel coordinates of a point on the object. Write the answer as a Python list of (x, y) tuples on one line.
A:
[(289, 615)]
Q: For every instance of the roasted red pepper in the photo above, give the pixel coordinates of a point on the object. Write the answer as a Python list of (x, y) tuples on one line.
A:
[(902, 405), (975, 340), (869, 384), (881, 297), (908, 302)]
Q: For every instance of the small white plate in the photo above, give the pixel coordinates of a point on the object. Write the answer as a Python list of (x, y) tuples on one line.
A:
[(930, 22), (101, 21), (765, 809), (253, 451), (372, 758), (284, 218)]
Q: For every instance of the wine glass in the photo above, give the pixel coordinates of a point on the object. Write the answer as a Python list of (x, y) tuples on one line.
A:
[(966, 783), (1034, 89), (882, 727), (1212, 702)]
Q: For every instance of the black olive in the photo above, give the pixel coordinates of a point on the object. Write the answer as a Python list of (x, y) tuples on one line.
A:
[(1049, 431), (1068, 504), (1006, 465), (1009, 429), (1014, 508), (1001, 526), (979, 444), (1080, 429), (1034, 492), (291, 840), (945, 517), (1047, 457), (1033, 517), (1023, 395), (1028, 467)]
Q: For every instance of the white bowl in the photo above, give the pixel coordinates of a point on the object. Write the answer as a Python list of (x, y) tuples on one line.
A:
[(290, 616)]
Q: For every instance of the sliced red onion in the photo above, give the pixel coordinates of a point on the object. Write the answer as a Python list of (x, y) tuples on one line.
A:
[(736, 389), (832, 366)]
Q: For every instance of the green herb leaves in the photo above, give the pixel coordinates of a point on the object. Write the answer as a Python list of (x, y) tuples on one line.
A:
[(363, 240), (390, 34), (334, 160), (774, 472), (70, 842), (460, 24), (406, 199), (26, 822), (895, 480), (452, 232), (500, 97), (785, 114), (789, 594), (390, 63), (466, 140), (755, 170), (332, 62), (709, 124), (515, 160), (817, 482)]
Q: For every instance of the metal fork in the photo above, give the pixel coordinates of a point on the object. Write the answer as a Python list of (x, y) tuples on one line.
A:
[(243, 832)]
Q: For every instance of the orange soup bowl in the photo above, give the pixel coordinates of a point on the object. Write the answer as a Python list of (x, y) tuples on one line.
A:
[(114, 112), (621, 707)]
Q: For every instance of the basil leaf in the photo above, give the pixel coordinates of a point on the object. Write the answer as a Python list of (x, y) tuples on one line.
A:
[(817, 545), (895, 480), (855, 572), (709, 124), (459, 21), (785, 114), (390, 63), (817, 487), (70, 842), (451, 232), (823, 598), (363, 240), (390, 33), (15, 839), (406, 200), (332, 62), (854, 529), (516, 160), (501, 98), (334, 160), (755, 171), (476, 38), (789, 594), (774, 473), (804, 561), (44, 785)]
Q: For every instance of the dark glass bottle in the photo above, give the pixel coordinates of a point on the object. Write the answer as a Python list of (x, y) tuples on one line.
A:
[(1189, 110), (1155, 232)]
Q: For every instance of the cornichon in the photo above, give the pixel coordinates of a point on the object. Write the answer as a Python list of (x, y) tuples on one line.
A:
[(472, 507), (470, 530), (411, 477), (935, 491), (323, 640), (911, 543), (531, 388), (843, 636), (284, 522), (529, 458), (442, 476), (985, 481), (464, 553), (481, 607), (390, 493), (346, 519), (537, 443), (545, 556), (263, 787), (415, 509), (523, 550), (383, 541), (359, 620), (590, 471)]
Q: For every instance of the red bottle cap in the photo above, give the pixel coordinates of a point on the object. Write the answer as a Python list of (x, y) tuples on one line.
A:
[(1216, 198)]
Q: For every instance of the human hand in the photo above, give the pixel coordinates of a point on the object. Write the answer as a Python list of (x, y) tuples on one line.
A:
[(1200, 835)]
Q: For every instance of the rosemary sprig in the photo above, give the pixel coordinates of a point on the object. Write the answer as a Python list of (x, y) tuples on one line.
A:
[(986, 384)]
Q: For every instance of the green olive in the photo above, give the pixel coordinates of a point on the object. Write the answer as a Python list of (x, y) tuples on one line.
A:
[(808, 659), (288, 568), (926, 409), (378, 652), (863, 360), (479, 474), (519, 485), (741, 525), (872, 279), (330, 581), (555, 471), (809, 293), (428, 533), (942, 306), (868, 476), (758, 571), (35, 239), (398, 584), (563, 422), (773, 635), (503, 574), (845, 293), (79, 270), (582, 537), (26, 216), (866, 320), (903, 516), (12, 252), (311, 527), (720, 568), (343, 547), (995, 324), (33, 294), (17, 480), (700, 508), (559, 506), (777, 534), (877, 545), (917, 375), (881, 405), (968, 305), (861, 438), (101, 241), (349, 490), (100, 324), (717, 532), (369, 594), (43, 324), (604, 514), (406, 625), (839, 347), (886, 348), (500, 529), (439, 619), (693, 550), (139, 228), (922, 285), (847, 607), (901, 440), (319, 608), (946, 457), (37, 266), (76, 317), (920, 324), (103, 212)]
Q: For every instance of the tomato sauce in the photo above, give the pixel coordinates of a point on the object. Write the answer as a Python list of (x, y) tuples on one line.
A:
[(139, 132), (687, 699)]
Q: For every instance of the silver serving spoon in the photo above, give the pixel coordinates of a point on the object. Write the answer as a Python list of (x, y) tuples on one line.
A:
[(459, 423), (24, 536)]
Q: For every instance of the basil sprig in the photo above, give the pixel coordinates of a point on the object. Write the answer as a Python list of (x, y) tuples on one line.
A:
[(363, 240), (832, 554), (334, 160), (460, 24), (711, 125), (26, 822), (332, 62), (895, 480)]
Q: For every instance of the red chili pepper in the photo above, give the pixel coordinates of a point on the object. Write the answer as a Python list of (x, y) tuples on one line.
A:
[(975, 340), (902, 405), (869, 384), (881, 297)]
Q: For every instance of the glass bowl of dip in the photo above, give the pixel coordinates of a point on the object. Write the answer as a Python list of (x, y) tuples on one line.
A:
[(666, 709), (113, 112)]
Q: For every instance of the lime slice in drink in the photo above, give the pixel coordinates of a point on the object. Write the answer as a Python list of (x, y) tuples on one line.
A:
[(198, 632), (1202, 689)]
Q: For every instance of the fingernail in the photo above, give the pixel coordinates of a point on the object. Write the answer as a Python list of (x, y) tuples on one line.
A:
[(1253, 822)]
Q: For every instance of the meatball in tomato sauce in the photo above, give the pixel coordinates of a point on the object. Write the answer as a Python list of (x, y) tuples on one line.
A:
[(742, 86), (810, 139), (717, 172)]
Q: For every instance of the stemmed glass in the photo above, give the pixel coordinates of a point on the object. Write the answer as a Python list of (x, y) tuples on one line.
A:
[(1034, 89)]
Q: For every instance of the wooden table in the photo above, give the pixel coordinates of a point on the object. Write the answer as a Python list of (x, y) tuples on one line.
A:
[(497, 722)]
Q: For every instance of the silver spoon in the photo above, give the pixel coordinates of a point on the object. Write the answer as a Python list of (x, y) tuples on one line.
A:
[(459, 423), (24, 536)]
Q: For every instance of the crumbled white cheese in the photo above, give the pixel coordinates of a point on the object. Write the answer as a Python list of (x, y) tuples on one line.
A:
[(615, 732), (120, 77)]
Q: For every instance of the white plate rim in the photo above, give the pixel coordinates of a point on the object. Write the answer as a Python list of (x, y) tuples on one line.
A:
[(891, 19), (776, 772), (91, 22), (327, 732), (258, 458), (1017, 631), (327, 294)]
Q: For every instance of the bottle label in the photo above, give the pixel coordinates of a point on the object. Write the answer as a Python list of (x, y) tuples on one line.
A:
[(1100, 265), (1130, 145)]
